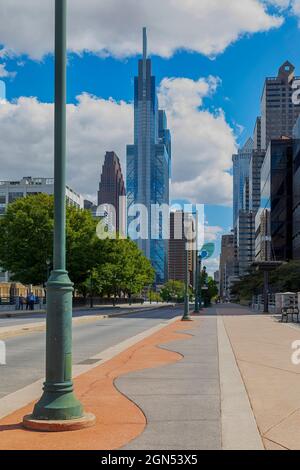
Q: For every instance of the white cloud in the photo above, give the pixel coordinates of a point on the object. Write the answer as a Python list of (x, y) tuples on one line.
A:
[(213, 233), (113, 26), (281, 4), (296, 8), (212, 265), (4, 73), (94, 126), (291, 6), (203, 142)]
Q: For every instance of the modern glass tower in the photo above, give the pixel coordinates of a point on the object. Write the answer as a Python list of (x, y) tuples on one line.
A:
[(241, 167), (149, 163)]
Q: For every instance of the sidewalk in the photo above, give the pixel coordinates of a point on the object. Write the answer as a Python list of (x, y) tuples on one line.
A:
[(263, 350), (169, 390), (225, 381)]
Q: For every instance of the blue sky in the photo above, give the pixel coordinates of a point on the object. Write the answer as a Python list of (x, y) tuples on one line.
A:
[(241, 68)]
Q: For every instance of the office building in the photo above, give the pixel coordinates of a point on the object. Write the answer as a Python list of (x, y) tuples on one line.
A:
[(217, 279), (245, 245), (296, 192), (90, 206), (257, 134), (10, 191), (227, 265), (241, 165), (112, 192), (256, 162), (246, 195), (274, 219), (148, 165), (182, 228), (278, 113)]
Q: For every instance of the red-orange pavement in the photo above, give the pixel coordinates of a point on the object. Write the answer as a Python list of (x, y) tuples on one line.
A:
[(118, 419)]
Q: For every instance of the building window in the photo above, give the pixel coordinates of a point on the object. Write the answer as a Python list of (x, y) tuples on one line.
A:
[(14, 196)]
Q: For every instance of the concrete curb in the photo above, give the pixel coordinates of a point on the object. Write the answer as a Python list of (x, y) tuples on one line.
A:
[(14, 314), (7, 332), (16, 400), (239, 428)]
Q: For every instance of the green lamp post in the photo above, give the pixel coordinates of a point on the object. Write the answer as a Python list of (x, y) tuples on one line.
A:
[(200, 283), (58, 409), (186, 315), (197, 303)]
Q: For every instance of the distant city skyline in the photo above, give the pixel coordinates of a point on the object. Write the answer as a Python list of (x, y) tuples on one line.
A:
[(100, 95)]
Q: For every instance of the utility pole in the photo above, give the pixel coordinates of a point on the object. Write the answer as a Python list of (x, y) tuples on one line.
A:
[(58, 409), (186, 315)]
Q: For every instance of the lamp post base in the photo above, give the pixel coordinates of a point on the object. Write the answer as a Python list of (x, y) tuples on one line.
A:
[(86, 421), (186, 315)]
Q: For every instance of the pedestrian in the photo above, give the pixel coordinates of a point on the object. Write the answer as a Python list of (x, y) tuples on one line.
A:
[(38, 301), (27, 302), (31, 301), (22, 300)]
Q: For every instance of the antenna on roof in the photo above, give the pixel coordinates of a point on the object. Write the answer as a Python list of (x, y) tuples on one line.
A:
[(144, 44)]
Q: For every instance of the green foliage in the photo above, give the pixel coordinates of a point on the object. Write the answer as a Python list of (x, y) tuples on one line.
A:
[(81, 244), (173, 291), (155, 296), (26, 232), (248, 286), (286, 278), (98, 266), (121, 267), (212, 289)]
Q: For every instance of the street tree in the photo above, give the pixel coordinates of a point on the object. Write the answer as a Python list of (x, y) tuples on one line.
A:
[(173, 290), (26, 240)]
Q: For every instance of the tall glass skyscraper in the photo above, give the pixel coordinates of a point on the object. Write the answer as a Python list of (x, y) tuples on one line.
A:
[(149, 163), (241, 167)]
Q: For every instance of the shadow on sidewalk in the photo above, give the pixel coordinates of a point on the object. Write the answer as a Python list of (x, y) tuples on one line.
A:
[(11, 427)]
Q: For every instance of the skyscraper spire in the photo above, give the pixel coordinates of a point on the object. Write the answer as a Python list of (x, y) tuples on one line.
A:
[(144, 44), (148, 164)]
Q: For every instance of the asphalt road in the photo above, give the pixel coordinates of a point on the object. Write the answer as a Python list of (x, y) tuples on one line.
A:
[(38, 317), (26, 353)]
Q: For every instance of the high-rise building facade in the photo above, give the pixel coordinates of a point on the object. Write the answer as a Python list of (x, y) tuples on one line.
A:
[(227, 264), (246, 194), (278, 113), (112, 191), (148, 165), (181, 229), (296, 192), (274, 219), (10, 191), (256, 162), (241, 166), (245, 245), (257, 134)]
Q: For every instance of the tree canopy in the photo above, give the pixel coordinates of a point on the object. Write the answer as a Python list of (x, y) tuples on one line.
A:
[(26, 240), (286, 278), (173, 291)]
